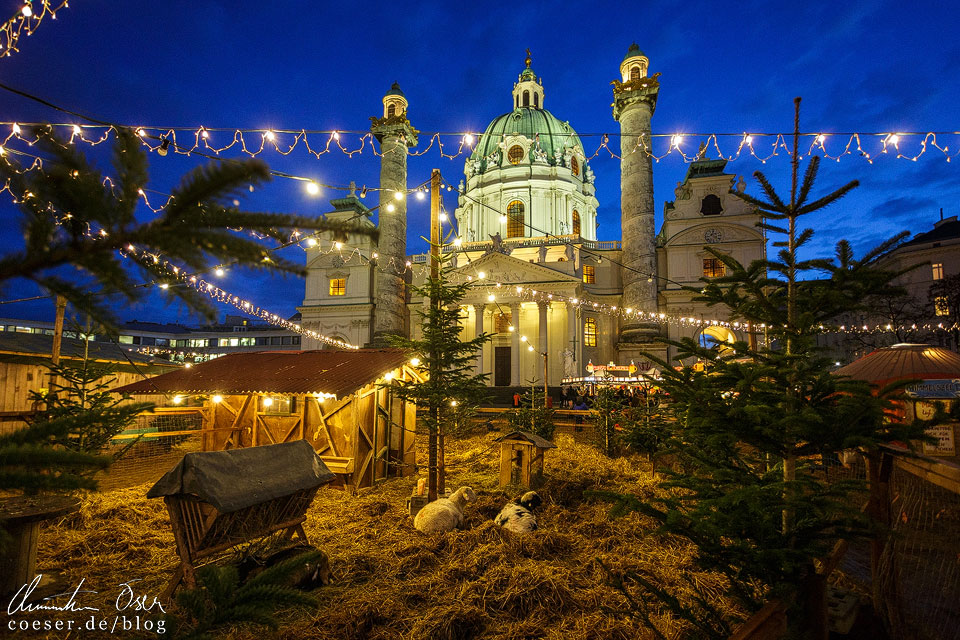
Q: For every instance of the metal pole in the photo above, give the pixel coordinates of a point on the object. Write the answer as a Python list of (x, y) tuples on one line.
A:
[(432, 454), (545, 379)]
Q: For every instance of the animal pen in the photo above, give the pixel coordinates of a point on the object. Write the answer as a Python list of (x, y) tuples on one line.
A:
[(331, 399)]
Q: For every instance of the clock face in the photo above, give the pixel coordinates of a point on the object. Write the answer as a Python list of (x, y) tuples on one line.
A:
[(713, 235)]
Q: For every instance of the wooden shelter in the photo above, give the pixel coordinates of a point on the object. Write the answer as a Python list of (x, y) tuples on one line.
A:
[(521, 458), (331, 399), (936, 372)]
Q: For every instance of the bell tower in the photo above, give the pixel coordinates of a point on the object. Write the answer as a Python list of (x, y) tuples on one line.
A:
[(395, 134), (634, 101), (528, 89)]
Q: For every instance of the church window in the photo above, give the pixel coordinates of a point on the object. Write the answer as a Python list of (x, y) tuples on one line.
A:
[(634, 73), (338, 286), (536, 100), (526, 98), (941, 305), (576, 222), (503, 323), (937, 270), (515, 220), (391, 110), (589, 274), (574, 165), (710, 205), (590, 332), (515, 155), (713, 268)]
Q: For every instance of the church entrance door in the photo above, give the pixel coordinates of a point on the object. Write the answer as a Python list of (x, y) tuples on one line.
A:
[(501, 366)]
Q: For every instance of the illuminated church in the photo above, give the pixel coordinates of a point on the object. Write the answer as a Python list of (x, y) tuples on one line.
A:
[(527, 218)]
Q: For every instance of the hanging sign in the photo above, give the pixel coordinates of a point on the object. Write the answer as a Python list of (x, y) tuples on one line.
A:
[(611, 369), (934, 389)]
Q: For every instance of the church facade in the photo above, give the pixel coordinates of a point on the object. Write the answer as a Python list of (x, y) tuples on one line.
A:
[(554, 296)]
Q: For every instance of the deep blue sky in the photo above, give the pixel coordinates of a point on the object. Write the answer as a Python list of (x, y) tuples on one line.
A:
[(726, 67)]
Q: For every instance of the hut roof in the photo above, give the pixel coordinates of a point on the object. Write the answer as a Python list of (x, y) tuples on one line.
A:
[(35, 345), (532, 438), (904, 362), (294, 372)]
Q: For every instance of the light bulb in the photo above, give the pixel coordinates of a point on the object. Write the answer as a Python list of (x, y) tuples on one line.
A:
[(388, 375), (15, 128), (338, 245), (268, 402), (217, 398), (219, 272), (523, 338), (676, 140), (76, 130), (457, 242), (453, 403), (177, 399), (444, 217), (27, 10), (187, 365), (503, 219), (482, 275), (398, 195), (336, 135), (519, 289), (821, 138), (313, 188), (893, 139), (415, 362), (530, 347), (164, 147), (164, 286), (270, 135), (491, 298), (421, 195), (311, 242), (748, 139), (468, 139), (391, 208), (204, 134)]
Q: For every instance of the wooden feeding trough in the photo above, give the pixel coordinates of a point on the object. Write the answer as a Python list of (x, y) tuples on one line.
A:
[(219, 499), (521, 458), (331, 399)]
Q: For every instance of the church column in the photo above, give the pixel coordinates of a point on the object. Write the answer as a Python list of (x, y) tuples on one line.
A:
[(515, 345), (478, 311), (635, 100), (394, 133), (573, 341), (578, 321), (543, 306)]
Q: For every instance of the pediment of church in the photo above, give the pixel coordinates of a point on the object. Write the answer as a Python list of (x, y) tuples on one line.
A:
[(499, 267), (714, 232)]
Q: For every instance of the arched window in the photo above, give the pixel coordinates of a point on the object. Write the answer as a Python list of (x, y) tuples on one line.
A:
[(536, 100), (516, 102), (391, 110), (515, 220), (576, 222), (515, 155), (574, 165), (526, 98), (634, 73)]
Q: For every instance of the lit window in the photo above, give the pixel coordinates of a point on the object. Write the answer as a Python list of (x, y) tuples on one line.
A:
[(229, 342), (576, 222), (937, 271), (278, 404), (338, 286), (515, 155), (515, 220), (574, 165), (125, 339), (590, 332), (634, 73), (713, 268), (589, 274), (248, 342), (391, 110), (941, 305)]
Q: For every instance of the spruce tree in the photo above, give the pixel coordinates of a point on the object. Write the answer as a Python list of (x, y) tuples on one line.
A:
[(451, 384), (748, 491)]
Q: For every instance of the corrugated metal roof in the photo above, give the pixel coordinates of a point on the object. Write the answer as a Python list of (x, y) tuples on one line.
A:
[(904, 362), (40, 345), (336, 372)]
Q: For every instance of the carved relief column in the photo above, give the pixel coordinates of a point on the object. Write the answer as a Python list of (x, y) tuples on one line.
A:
[(478, 310), (573, 340), (515, 345)]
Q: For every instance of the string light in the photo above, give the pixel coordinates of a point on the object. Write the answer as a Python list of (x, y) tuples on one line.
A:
[(27, 19), (313, 188)]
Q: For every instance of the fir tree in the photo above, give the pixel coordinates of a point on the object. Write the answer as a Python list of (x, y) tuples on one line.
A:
[(749, 496), (451, 385), (77, 224), (532, 417)]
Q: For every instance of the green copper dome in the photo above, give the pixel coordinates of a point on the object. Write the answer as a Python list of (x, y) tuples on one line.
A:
[(395, 90), (530, 123), (633, 51)]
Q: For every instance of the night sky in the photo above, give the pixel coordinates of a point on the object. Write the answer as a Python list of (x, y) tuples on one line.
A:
[(726, 68)]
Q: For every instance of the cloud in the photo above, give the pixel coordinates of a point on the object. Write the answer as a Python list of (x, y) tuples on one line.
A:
[(903, 207)]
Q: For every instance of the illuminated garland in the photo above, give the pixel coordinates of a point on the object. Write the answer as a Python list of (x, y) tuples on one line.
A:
[(27, 19), (253, 142)]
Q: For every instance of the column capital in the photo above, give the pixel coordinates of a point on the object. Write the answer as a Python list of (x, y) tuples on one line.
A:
[(479, 307), (543, 304)]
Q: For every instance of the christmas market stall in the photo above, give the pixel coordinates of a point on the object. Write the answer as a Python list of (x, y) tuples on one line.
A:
[(937, 374), (331, 399)]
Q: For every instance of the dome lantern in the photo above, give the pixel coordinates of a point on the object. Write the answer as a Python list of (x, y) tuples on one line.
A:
[(394, 102), (528, 91), (634, 65)]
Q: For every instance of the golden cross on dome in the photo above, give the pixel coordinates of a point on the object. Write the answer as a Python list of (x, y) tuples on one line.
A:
[(528, 59)]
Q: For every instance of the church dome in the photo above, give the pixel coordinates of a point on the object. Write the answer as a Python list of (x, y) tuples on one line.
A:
[(546, 131)]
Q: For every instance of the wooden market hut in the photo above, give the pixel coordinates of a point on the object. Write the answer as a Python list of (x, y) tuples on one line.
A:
[(331, 399), (937, 374)]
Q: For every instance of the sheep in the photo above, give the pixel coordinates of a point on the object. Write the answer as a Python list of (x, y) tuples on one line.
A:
[(444, 514), (517, 516)]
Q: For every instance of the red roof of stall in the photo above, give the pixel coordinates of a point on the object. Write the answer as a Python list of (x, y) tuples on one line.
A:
[(290, 372), (904, 362)]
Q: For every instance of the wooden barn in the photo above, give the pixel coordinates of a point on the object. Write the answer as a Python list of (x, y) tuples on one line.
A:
[(331, 399)]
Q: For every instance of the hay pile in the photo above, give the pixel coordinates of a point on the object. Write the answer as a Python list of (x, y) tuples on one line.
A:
[(390, 581)]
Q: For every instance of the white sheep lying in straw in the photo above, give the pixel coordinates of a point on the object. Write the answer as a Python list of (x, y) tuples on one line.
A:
[(519, 518), (444, 514)]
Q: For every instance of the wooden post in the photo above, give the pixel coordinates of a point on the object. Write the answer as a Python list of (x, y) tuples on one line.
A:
[(434, 305), (882, 574), (545, 370), (57, 339)]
